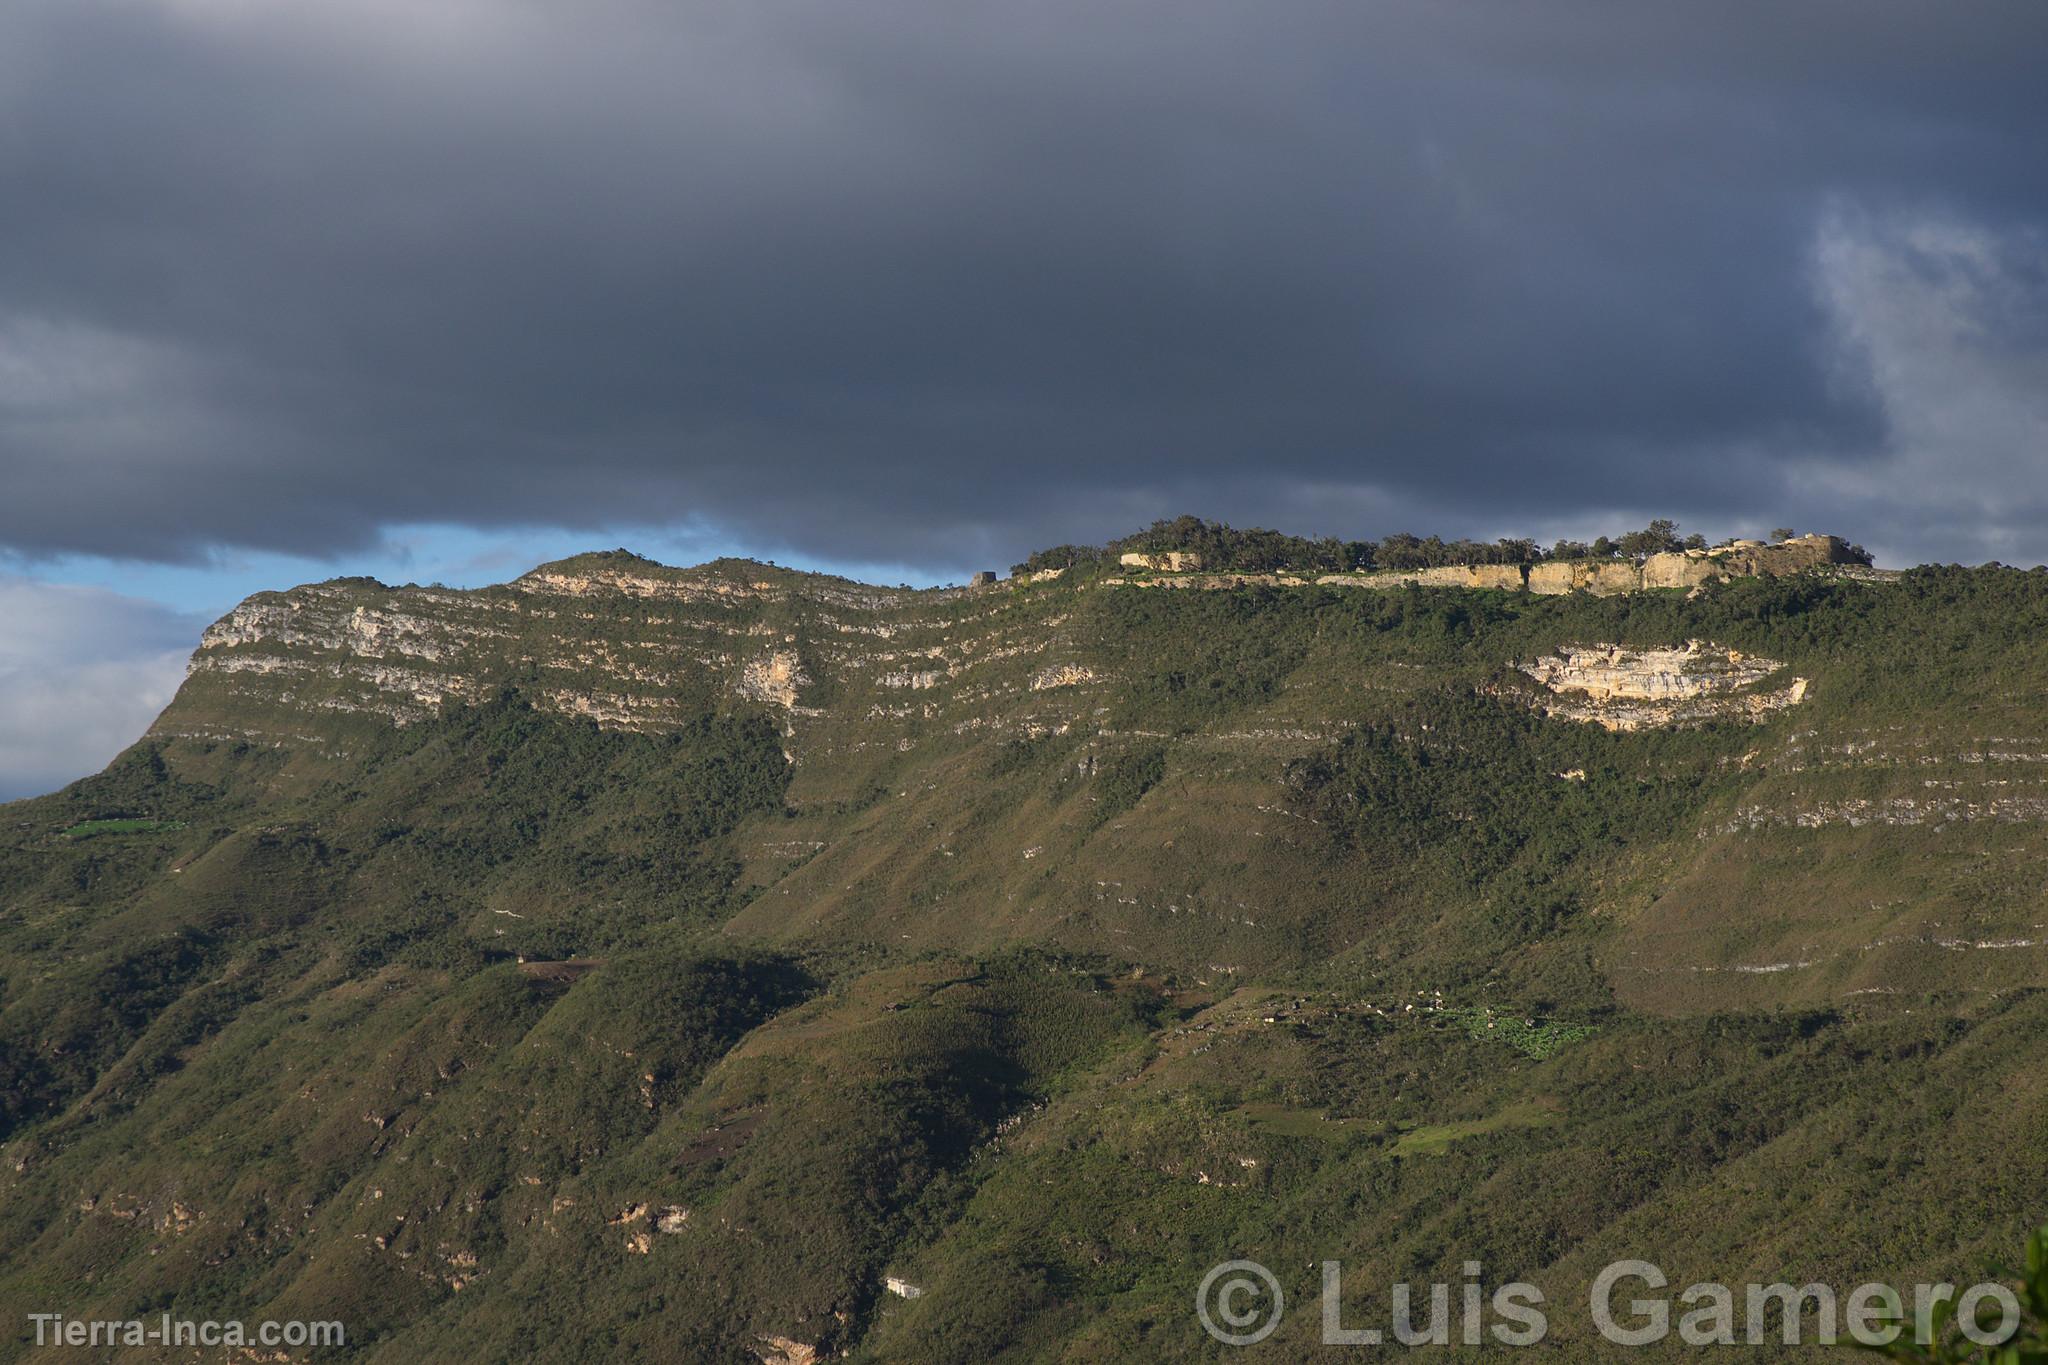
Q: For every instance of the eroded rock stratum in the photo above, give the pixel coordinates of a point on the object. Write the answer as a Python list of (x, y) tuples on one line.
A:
[(1622, 688)]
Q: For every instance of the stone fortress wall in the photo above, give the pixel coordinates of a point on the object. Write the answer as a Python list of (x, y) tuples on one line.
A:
[(1601, 577)]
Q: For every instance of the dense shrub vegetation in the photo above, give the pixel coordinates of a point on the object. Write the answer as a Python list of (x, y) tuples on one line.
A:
[(1294, 931)]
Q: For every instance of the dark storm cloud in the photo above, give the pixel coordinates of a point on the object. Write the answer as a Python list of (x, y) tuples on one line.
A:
[(935, 282)]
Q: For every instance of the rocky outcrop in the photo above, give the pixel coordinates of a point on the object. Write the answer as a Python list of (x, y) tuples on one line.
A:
[(1682, 569), (1600, 577), (1860, 812), (774, 678), (1169, 561), (635, 645), (1503, 576), (1062, 675), (1796, 555), (1209, 582), (1621, 688), (1691, 568)]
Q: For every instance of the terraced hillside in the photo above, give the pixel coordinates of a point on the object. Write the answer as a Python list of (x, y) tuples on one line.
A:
[(669, 960)]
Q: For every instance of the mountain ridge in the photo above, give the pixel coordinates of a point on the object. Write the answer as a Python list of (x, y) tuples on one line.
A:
[(700, 956), (903, 690)]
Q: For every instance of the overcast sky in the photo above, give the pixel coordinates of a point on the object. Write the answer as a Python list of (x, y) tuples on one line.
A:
[(291, 288)]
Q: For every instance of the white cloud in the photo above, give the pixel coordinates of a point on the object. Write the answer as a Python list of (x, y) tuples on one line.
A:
[(1942, 320), (82, 674)]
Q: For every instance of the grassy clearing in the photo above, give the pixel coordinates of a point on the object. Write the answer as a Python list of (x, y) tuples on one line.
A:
[(1435, 1139), (1286, 1120), (92, 829)]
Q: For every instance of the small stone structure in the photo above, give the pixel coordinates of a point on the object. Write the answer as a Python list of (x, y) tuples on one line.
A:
[(984, 579)]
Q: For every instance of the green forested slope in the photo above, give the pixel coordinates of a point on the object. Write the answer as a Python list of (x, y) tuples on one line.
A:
[(1041, 946)]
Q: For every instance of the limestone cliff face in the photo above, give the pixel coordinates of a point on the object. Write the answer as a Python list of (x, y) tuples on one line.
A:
[(636, 645), (1787, 556), (1507, 576), (777, 678), (1632, 689), (631, 645), (1691, 568), (1687, 569), (1682, 569), (1171, 561), (895, 709), (1601, 577)]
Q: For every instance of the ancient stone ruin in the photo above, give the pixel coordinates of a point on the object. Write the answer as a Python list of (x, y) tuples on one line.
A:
[(1170, 561), (1600, 577)]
